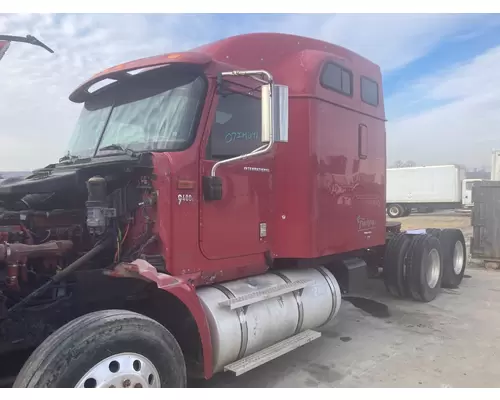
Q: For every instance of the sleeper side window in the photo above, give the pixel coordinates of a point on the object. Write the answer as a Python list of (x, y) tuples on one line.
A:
[(337, 78), (369, 91), (237, 126)]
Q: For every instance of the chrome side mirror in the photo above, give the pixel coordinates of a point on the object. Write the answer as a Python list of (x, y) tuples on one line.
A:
[(279, 100), (274, 100)]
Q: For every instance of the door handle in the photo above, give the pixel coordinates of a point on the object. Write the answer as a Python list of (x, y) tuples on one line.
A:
[(362, 141)]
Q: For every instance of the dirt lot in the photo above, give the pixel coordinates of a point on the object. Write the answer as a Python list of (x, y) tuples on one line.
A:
[(446, 219), (453, 341)]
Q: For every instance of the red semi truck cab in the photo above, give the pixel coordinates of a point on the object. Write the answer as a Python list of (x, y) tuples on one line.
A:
[(317, 190), (211, 209)]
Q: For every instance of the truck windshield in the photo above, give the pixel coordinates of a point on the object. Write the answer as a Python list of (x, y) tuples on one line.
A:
[(153, 111)]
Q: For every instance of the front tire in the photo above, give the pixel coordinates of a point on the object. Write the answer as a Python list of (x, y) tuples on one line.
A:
[(110, 348), (395, 210)]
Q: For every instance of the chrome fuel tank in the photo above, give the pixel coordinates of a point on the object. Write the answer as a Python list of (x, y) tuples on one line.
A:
[(244, 331)]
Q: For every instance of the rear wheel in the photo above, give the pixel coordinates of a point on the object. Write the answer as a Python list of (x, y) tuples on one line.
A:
[(424, 268), (395, 211), (111, 348), (454, 257), (394, 265)]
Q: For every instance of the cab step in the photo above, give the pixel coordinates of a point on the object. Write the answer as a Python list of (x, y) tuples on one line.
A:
[(264, 294), (270, 353)]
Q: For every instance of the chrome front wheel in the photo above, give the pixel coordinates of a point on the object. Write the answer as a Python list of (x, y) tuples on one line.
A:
[(123, 370)]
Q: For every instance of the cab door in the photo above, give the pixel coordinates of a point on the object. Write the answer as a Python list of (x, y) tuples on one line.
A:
[(237, 224)]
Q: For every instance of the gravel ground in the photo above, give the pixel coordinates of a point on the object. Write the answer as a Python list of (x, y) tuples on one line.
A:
[(448, 219)]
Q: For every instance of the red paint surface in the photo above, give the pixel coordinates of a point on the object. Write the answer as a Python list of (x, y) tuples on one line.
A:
[(181, 288), (4, 46), (319, 198)]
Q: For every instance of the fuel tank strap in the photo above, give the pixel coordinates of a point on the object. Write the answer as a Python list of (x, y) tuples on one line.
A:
[(332, 289), (298, 298), (241, 316)]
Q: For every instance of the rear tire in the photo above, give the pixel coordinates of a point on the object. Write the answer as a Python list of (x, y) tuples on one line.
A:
[(424, 268), (394, 265), (111, 348), (395, 210), (454, 257)]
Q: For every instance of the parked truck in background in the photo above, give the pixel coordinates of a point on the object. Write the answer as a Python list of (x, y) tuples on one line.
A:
[(211, 209), (427, 189), (495, 165)]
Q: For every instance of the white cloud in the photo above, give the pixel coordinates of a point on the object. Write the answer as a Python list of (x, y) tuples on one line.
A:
[(463, 130), (36, 117), (390, 40)]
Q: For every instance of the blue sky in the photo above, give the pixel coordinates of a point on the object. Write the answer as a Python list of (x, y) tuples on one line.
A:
[(441, 74)]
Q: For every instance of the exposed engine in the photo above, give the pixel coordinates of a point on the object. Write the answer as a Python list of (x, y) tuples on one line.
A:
[(68, 217)]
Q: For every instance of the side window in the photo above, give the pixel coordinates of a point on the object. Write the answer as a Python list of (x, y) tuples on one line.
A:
[(369, 91), (337, 78), (236, 130), (469, 185)]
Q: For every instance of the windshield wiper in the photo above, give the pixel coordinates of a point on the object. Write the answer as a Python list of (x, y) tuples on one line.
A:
[(118, 147)]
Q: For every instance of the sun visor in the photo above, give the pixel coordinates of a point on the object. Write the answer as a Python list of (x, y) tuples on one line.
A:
[(126, 70)]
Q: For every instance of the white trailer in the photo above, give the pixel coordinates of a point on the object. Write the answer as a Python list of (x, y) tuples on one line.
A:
[(426, 189)]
